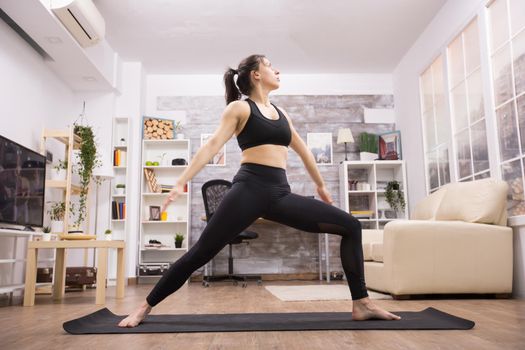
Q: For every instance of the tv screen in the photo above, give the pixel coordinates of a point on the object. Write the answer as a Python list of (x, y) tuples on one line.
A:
[(22, 184)]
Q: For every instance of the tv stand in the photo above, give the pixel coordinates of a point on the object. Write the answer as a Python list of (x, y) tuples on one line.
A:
[(28, 228)]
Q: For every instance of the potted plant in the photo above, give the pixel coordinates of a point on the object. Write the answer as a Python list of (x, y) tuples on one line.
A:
[(119, 189), (122, 141), (56, 214), (107, 234), (46, 233), (394, 196), (59, 171), (87, 161), (368, 146), (178, 131), (178, 240)]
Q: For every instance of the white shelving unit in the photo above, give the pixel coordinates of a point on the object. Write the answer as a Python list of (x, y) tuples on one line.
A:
[(8, 287), (377, 174), (178, 213), (121, 136)]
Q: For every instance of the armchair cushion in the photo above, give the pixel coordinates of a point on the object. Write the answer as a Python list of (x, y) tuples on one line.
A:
[(367, 252), (481, 201), (377, 251), (426, 209)]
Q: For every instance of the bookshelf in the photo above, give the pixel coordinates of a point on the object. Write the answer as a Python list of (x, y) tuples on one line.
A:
[(118, 222), (154, 258), (362, 186)]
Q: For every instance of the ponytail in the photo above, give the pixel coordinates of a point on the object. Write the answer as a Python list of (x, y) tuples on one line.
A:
[(234, 91)]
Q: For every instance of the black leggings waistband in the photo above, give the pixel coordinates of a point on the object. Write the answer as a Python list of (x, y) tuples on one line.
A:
[(261, 173)]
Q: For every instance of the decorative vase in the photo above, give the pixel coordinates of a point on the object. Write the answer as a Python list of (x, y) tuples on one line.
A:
[(57, 226), (108, 236), (46, 237), (119, 191), (367, 156), (178, 244)]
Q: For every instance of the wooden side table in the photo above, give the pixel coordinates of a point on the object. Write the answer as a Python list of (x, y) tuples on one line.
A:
[(60, 267)]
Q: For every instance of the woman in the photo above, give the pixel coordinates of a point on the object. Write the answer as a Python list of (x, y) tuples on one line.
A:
[(260, 189)]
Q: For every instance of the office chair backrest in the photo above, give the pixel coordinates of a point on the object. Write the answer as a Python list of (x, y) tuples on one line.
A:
[(213, 192)]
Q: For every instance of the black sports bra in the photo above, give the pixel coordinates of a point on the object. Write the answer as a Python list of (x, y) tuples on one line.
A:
[(260, 130)]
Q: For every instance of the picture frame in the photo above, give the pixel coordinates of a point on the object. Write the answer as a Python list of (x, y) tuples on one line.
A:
[(154, 213), (220, 158), (320, 144), (390, 145)]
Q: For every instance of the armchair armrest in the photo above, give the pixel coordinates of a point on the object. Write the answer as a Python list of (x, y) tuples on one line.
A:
[(427, 256)]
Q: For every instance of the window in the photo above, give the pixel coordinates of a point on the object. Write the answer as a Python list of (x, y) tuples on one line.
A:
[(466, 99), (436, 125), (507, 56)]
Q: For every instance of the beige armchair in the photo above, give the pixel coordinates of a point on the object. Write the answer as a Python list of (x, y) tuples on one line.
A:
[(455, 242)]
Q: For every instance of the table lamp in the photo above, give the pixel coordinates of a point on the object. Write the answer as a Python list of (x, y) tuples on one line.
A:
[(345, 136)]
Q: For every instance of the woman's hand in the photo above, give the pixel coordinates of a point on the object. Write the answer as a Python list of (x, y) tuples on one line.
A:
[(174, 193), (325, 195)]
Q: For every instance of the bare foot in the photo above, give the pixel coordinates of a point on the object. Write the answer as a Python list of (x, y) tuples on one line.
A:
[(136, 317), (363, 309)]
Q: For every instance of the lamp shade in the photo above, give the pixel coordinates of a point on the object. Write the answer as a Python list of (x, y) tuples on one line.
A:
[(345, 135)]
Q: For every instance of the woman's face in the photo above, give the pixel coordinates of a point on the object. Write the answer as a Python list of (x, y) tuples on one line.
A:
[(267, 75)]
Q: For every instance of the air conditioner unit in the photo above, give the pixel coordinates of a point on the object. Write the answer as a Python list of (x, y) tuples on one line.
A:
[(82, 19)]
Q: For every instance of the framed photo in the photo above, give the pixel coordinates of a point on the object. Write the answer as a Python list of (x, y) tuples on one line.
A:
[(157, 128), (390, 145), (154, 212), (220, 158), (320, 144)]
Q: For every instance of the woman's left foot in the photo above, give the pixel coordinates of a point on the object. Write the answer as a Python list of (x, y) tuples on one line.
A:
[(363, 309)]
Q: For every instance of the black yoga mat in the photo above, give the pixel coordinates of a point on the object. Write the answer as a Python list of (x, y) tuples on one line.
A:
[(105, 322)]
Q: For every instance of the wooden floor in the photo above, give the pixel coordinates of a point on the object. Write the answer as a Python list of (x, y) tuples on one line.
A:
[(500, 324)]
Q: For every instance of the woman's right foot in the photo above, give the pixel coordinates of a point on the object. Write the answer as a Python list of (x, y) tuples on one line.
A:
[(136, 317), (363, 309)]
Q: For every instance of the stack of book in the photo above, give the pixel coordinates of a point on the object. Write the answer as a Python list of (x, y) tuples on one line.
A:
[(362, 214), (166, 188), (118, 210), (119, 157)]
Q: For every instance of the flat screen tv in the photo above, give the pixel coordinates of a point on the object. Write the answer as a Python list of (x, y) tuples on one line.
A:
[(22, 184)]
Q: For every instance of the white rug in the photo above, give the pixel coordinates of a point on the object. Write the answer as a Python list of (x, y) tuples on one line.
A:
[(318, 292)]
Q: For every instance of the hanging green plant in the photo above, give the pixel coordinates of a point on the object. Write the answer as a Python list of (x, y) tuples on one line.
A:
[(87, 161), (394, 196)]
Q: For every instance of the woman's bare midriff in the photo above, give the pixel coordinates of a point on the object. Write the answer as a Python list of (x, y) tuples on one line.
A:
[(271, 155)]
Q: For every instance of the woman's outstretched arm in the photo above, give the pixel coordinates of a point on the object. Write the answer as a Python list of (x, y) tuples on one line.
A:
[(225, 131), (299, 146), (229, 121)]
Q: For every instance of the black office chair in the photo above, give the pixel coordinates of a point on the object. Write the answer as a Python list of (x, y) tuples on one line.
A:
[(213, 192)]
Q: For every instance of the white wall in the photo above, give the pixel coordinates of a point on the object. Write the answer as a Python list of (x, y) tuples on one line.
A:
[(449, 22), (291, 84), (32, 97)]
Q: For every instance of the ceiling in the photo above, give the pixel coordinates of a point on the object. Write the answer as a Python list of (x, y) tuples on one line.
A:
[(298, 36)]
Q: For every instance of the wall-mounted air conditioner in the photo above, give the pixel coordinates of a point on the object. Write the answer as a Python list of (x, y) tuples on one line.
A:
[(82, 19)]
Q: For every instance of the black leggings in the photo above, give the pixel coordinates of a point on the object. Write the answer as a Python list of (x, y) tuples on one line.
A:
[(263, 191)]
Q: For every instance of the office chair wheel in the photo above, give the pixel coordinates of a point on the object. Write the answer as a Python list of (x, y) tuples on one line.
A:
[(235, 283), (205, 284), (244, 284), (259, 282)]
